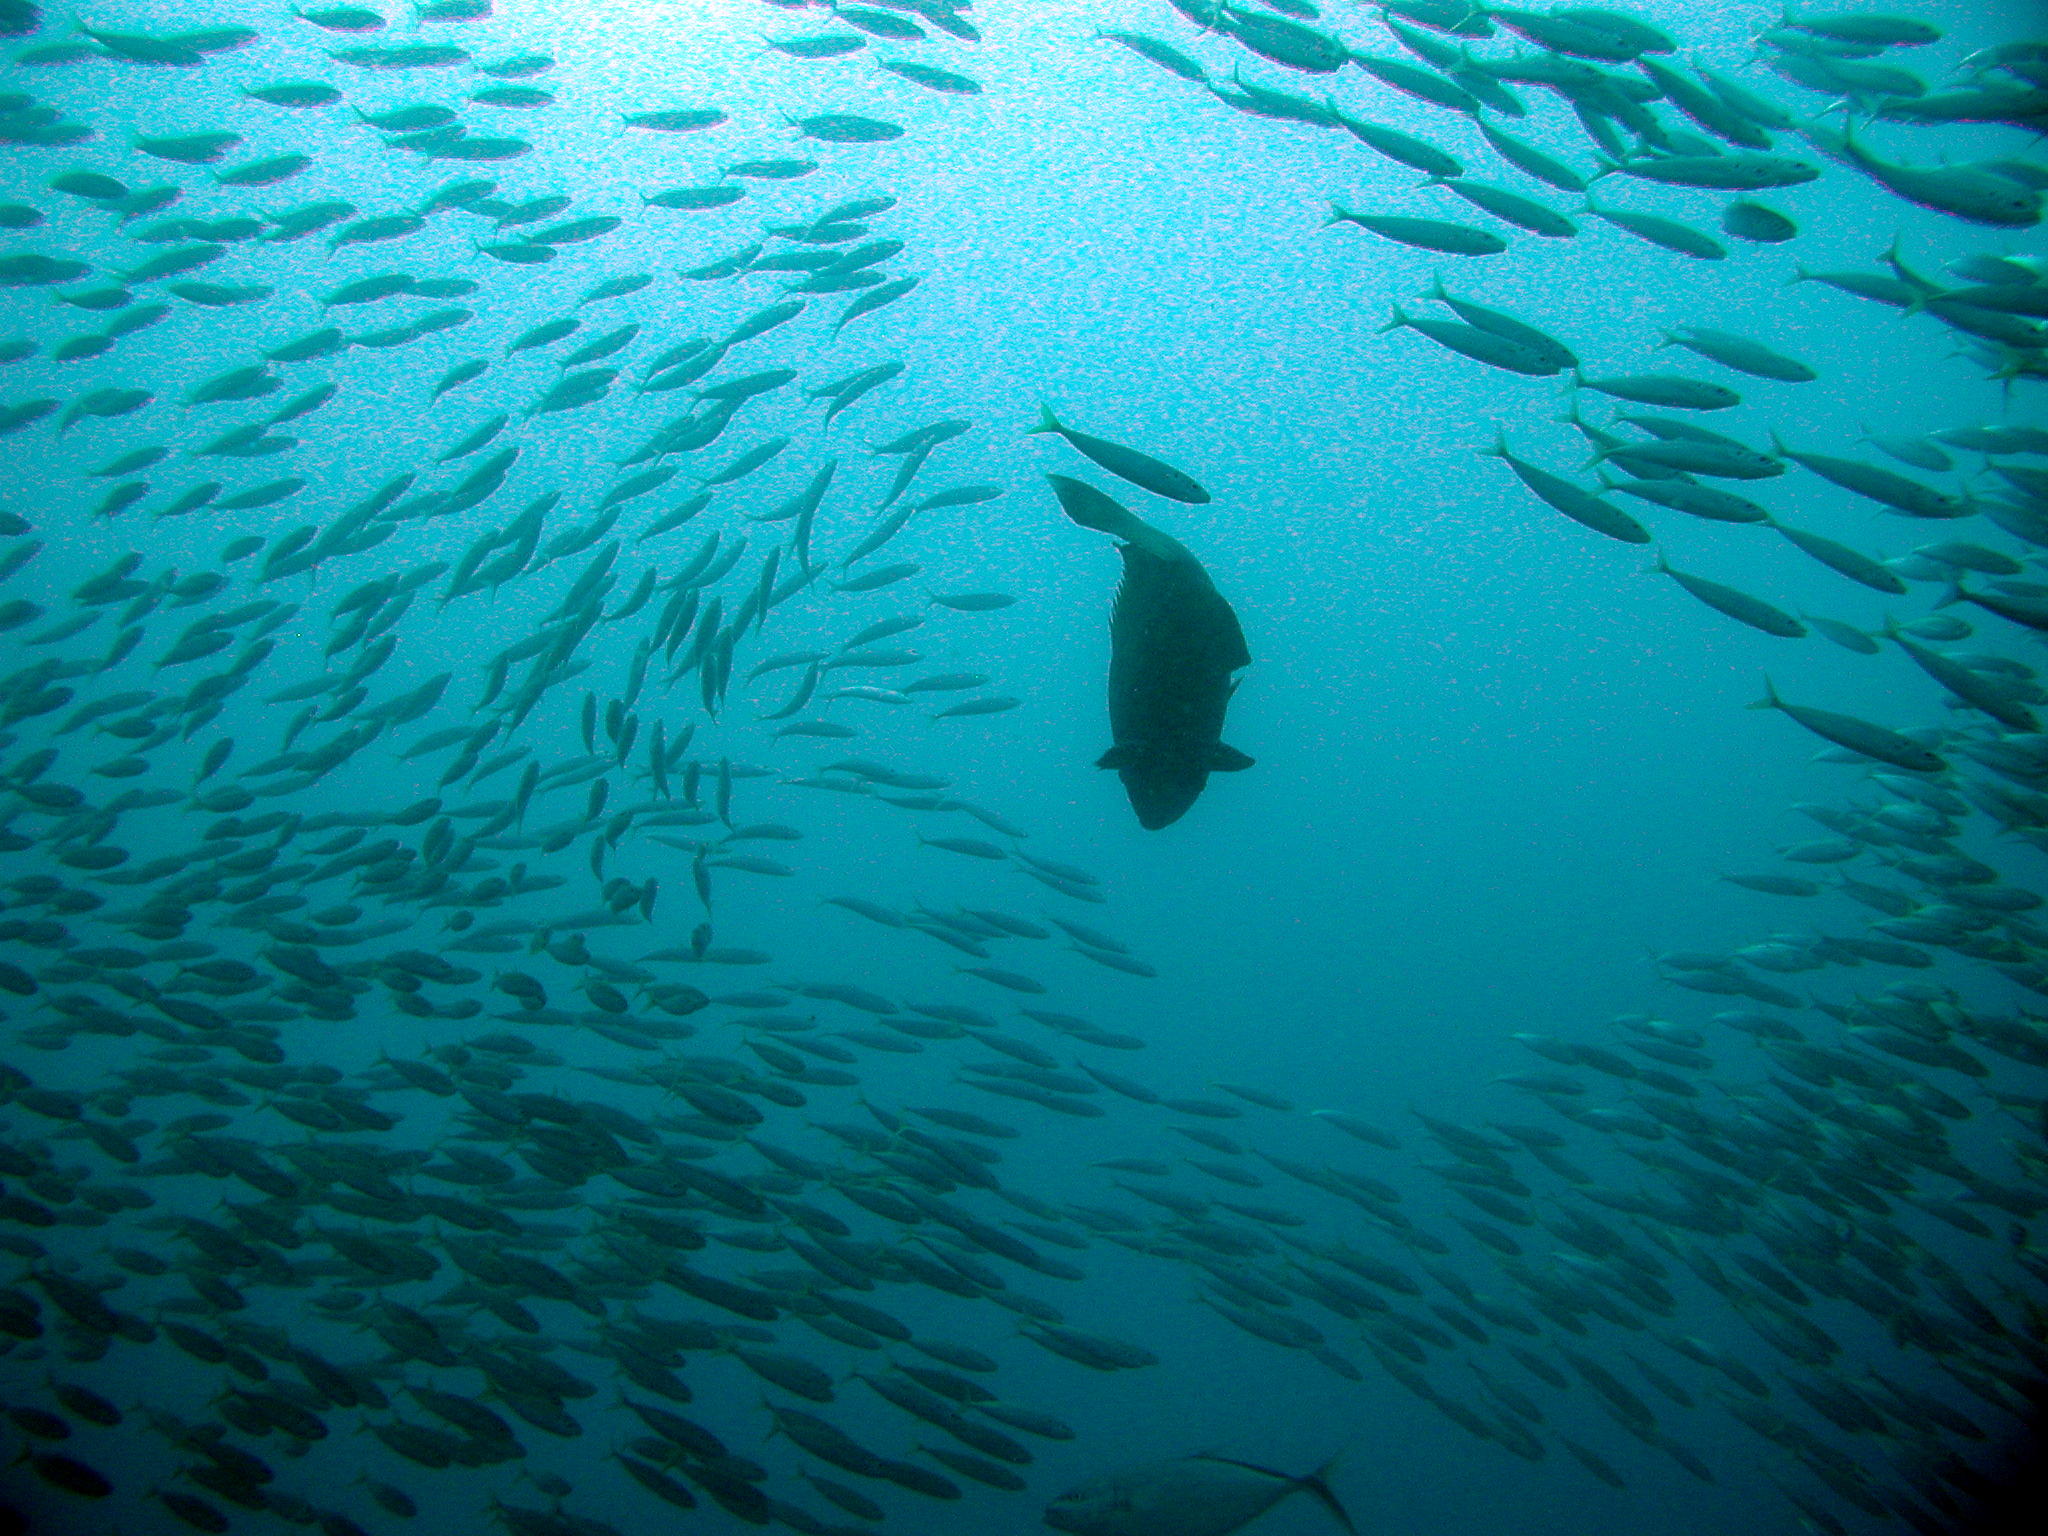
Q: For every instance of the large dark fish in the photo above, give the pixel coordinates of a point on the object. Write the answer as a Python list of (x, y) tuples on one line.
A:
[(1174, 645)]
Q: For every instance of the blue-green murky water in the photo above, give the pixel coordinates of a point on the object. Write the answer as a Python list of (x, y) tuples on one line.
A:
[(501, 927)]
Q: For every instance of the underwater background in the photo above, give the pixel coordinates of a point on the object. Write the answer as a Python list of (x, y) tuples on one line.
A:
[(456, 1003)]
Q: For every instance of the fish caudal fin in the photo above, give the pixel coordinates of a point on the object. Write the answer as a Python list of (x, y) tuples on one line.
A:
[(1314, 1484), (1770, 699), (1317, 1486), (1047, 422)]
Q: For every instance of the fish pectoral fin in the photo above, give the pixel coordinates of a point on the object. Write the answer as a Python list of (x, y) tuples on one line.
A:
[(1224, 758), (1122, 755)]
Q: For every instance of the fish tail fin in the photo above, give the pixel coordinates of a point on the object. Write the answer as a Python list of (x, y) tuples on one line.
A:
[(1047, 422), (1956, 593), (1399, 321), (1836, 146), (2009, 369), (1770, 700), (1437, 290), (1499, 450), (1314, 1483), (1317, 1486), (1607, 167), (1800, 274)]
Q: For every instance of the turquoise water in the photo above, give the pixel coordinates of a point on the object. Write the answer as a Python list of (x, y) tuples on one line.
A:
[(301, 795)]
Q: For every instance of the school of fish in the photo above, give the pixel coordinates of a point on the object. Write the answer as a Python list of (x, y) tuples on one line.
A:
[(639, 1226)]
